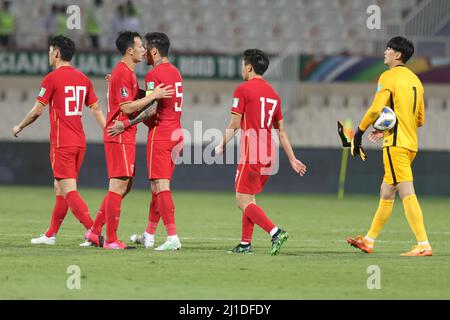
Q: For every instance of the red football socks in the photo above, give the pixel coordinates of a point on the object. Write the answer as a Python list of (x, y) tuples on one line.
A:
[(58, 215), (247, 229), (153, 216), (257, 215), (79, 208), (112, 215), (99, 221), (166, 208)]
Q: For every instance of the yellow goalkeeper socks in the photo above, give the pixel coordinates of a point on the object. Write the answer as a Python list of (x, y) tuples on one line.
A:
[(381, 217), (414, 216)]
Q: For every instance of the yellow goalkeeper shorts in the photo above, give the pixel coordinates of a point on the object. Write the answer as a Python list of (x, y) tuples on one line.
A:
[(397, 165)]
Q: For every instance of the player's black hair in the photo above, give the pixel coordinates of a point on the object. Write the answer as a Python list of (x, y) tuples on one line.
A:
[(159, 41), (65, 45), (257, 59), (402, 45), (125, 40)]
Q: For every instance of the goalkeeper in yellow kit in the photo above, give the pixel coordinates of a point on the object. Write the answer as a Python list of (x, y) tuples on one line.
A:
[(402, 90)]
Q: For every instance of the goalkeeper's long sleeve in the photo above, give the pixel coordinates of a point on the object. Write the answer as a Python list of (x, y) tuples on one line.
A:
[(382, 99)]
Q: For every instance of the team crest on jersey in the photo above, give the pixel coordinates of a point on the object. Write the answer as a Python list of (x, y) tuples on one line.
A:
[(42, 92), (150, 85), (124, 92), (235, 102)]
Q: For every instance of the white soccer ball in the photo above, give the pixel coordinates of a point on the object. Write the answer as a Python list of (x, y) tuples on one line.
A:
[(386, 120)]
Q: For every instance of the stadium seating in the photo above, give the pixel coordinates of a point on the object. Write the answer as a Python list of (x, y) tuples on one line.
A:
[(226, 26)]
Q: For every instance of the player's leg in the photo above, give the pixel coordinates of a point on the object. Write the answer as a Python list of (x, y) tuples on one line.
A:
[(161, 158), (118, 188), (148, 237), (382, 215), (166, 208), (76, 203), (385, 206), (402, 160), (59, 213), (120, 159), (414, 216), (256, 215), (245, 246), (100, 218)]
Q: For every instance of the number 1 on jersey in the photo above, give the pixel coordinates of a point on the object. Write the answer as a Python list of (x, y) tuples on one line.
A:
[(270, 112)]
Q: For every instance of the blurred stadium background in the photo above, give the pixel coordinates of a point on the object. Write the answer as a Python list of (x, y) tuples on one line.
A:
[(325, 64)]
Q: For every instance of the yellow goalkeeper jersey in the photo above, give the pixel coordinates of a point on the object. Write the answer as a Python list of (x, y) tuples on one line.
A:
[(400, 89)]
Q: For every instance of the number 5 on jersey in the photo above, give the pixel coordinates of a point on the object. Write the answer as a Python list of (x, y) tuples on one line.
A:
[(179, 96)]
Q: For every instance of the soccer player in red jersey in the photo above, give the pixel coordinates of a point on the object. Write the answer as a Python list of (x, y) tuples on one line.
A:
[(165, 141), (256, 109), (125, 100), (66, 89)]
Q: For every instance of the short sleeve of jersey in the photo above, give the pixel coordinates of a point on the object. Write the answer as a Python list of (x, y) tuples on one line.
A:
[(124, 90), (238, 105), (151, 81), (46, 90), (91, 97)]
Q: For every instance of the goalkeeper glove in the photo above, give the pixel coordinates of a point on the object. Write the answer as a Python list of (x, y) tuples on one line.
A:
[(356, 148)]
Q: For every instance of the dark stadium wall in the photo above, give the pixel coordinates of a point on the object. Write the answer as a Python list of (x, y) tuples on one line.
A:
[(28, 164)]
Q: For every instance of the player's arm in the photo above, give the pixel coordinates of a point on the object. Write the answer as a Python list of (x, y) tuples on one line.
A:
[(381, 99), (34, 113), (160, 92), (98, 114), (230, 131), (296, 164), (119, 126)]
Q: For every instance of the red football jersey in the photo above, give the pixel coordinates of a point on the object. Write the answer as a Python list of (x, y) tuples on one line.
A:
[(122, 87), (168, 114), (66, 89), (260, 107)]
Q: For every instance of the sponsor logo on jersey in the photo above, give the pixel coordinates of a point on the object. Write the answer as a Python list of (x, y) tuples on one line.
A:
[(150, 86)]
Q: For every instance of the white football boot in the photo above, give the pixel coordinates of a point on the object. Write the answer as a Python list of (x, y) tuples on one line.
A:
[(171, 244), (43, 239)]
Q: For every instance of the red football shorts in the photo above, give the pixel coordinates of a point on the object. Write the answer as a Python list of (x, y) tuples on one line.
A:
[(66, 161), (120, 159), (161, 158), (250, 178)]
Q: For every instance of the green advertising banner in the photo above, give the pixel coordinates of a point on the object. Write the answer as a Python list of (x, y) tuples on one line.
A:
[(308, 68), (101, 63)]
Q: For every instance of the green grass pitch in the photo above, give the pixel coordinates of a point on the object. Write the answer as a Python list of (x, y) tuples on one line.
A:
[(315, 263)]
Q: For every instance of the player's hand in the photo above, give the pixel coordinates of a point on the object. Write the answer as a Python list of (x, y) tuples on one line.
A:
[(161, 92), (117, 128), (375, 135), (108, 76), (298, 166), (355, 147), (16, 131), (219, 149)]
